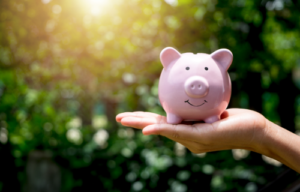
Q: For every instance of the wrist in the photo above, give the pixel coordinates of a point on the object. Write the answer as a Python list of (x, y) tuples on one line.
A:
[(263, 138), (280, 144)]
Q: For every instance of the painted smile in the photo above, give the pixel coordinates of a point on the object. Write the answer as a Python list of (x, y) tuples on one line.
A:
[(187, 101)]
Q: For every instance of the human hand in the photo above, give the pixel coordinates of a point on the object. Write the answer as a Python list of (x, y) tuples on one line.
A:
[(238, 128)]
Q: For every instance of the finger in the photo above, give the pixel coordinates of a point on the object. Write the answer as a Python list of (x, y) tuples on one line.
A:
[(141, 122), (233, 112), (180, 131), (225, 114), (230, 123), (135, 114), (230, 112), (204, 133), (137, 122), (236, 111), (198, 138), (200, 132)]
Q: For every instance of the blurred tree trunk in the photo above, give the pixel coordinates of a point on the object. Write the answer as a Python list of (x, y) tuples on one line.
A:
[(9, 172), (111, 112), (235, 95), (254, 91), (86, 109), (43, 175), (287, 92)]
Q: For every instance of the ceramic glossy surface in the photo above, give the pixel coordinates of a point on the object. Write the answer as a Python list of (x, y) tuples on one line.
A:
[(194, 87)]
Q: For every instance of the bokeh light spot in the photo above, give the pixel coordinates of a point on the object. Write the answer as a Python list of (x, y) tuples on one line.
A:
[(46, 1), (208, 169), (137, 186), (101, 137), (129, 78), (172, 2), (56, 9), (74, 136), (3, 135), (271, 161)]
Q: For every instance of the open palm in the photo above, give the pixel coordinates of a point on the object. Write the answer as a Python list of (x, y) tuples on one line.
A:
[(238, 128)]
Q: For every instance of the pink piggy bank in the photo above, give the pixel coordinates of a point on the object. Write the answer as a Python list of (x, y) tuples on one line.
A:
[(194, 87)]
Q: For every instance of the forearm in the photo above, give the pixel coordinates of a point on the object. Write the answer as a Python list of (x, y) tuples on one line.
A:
[(280, 144)]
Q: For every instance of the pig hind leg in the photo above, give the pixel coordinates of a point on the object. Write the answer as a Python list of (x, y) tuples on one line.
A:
[(212, 119)]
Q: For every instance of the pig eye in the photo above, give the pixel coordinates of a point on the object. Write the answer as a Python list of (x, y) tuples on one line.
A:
[(206, 68), (187, 68)]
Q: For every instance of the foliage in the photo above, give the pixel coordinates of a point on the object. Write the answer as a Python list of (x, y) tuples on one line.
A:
[(68, 67)]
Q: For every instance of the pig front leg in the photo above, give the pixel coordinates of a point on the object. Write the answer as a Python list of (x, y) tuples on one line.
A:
[(212, 119), (173, 119)]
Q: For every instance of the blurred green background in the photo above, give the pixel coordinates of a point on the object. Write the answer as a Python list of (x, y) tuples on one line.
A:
[(67, 67)]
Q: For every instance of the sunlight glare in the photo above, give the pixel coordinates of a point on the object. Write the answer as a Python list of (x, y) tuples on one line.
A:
[(96, 6)]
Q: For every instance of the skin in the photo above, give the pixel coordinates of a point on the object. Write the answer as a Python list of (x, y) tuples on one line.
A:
[(237, 129)]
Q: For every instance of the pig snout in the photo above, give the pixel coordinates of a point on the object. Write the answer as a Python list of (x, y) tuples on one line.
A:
[(196, 87)]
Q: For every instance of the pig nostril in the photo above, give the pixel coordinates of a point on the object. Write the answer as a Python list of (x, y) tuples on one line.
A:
[(196, 87)]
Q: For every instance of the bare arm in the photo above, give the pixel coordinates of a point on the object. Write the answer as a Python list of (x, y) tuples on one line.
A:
[(282, 145), (237, 129)]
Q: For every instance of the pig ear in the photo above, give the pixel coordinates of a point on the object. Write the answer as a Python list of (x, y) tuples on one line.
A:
[(167, 55), (223, 57)]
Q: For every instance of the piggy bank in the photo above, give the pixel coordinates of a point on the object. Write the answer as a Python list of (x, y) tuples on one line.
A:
[(194, 87)]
